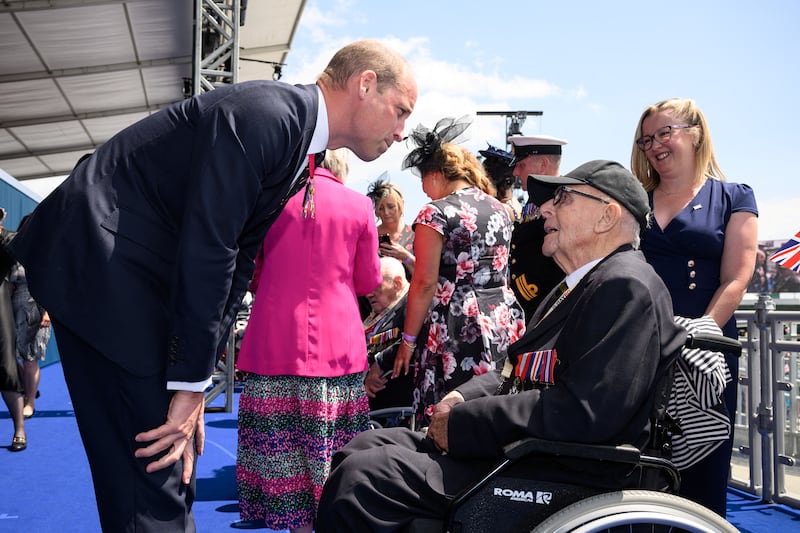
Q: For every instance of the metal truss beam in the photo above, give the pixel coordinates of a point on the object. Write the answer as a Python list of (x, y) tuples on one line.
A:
[(216, 44), (215, 62)]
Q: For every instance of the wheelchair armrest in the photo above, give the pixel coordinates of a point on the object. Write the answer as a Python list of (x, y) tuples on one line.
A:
[(624, 453), (713, 342), (392, 411)]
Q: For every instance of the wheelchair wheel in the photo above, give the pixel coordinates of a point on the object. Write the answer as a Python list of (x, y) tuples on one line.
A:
[(635, 510)]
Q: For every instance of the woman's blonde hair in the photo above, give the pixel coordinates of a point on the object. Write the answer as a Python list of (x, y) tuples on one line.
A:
[(337, 162), (381, 189), (684, 110)]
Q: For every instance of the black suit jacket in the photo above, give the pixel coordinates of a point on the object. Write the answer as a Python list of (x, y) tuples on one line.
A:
[(145, 251), (399, 391), (614, 336)]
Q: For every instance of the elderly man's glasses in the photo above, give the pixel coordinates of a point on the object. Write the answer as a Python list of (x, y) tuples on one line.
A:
[(661, 135), (563, 189)]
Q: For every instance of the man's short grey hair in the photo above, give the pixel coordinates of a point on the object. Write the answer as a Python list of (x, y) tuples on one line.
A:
[(631, 227)]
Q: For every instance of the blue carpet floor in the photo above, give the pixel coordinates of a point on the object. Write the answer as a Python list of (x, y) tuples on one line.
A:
[(47, 488)]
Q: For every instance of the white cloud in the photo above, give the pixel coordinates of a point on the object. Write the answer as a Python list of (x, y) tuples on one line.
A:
[(448, 86), (777, 218)]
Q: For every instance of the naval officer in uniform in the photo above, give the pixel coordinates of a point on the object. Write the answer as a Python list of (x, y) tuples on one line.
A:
[(532, 274)]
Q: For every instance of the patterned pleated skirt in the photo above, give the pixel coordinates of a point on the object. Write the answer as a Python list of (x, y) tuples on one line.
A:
[(289, 427)]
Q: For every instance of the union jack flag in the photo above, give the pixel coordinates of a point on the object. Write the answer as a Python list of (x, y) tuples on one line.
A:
[(789, 254)]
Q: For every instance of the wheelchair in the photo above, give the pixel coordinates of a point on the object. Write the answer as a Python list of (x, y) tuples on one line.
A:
[(391, 417), (506, 499)]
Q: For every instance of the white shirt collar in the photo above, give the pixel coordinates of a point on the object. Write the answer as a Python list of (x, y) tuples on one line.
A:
[(319, 140), (576, 276)]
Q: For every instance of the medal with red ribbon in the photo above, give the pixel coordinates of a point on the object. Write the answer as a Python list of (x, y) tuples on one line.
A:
[(536, 367)]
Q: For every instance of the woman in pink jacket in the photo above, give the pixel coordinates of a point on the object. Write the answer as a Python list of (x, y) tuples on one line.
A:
[(304, 349)]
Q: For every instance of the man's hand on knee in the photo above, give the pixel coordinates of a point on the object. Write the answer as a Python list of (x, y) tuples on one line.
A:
[(451, 398), (184, 426), (437, 431)]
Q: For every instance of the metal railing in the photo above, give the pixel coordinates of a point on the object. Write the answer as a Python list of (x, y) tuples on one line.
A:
[(767, 429), (223, 379)]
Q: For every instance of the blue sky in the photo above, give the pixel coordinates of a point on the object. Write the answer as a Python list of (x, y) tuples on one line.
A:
[(592, 67)]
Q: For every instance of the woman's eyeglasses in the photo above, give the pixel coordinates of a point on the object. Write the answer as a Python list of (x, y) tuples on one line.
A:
[(661, 135)]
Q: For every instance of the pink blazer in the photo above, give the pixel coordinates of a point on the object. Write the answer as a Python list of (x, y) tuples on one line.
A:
[(305, 319)]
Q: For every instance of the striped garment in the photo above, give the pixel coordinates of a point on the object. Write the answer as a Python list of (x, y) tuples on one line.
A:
[(696, 400), (289, 427)]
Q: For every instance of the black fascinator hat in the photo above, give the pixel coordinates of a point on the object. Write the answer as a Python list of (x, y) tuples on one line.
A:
[(428, 141), (492, 152), (381, 188), (499, 166)]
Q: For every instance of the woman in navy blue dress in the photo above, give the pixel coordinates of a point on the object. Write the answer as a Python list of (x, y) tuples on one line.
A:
[(702, 243)]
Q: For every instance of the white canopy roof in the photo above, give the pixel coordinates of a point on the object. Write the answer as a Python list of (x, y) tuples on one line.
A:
[(73, 73)]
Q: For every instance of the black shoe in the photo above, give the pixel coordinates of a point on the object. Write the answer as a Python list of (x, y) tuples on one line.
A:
[(18, 444), (249, 524)]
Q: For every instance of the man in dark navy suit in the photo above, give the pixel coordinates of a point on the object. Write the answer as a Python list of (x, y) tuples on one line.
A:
[(143, 254)]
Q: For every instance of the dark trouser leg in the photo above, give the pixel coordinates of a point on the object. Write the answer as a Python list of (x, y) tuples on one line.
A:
[(111, 407), (383, 479)]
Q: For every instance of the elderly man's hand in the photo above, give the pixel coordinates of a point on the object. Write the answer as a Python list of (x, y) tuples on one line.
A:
[(437, 431), (374, 382)]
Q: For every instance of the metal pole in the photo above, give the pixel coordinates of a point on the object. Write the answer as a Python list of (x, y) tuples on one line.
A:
[(197, 47), (764, 415)]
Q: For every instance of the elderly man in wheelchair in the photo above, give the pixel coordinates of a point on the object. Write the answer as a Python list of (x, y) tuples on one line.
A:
[(389, 400), (564, 422)]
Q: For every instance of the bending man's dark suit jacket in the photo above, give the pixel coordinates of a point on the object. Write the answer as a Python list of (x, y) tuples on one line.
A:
[(614, 335), (146, 249)]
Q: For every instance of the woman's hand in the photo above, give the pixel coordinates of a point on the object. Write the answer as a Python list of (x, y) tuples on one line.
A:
[(392, 249), (400, 253), (401, 360)]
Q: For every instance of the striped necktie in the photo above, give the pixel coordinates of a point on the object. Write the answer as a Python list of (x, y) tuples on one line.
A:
[(556, 297)]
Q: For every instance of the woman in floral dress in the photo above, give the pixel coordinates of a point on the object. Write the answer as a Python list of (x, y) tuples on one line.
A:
[(461, 315)]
